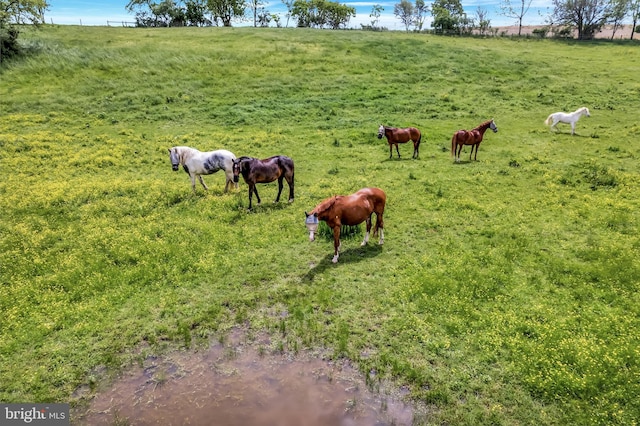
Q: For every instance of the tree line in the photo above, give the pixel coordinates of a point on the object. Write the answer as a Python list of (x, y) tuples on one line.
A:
[(174, 13), (586, 17)]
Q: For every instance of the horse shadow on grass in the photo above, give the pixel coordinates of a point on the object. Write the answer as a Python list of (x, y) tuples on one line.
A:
[(241, 209), (348, 256), (394, 159)]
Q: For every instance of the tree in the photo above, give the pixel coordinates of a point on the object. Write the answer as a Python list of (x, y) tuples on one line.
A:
[(166, 13), (256, 6), (376, 11), (419, 14), (338, 15), (226, 10), (588, 16), (13, 14), (515, 12), (195, 13), (448, 16), (318, 13), (289, 5), (484, 24), (634, 8), (619, 11), (404, 11)]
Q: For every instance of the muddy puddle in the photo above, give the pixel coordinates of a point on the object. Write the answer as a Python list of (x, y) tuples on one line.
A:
[(229, 385)]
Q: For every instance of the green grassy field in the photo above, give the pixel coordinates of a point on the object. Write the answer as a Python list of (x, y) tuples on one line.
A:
[(507, 290)]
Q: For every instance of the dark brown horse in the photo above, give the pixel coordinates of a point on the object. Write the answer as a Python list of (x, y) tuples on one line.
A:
[(396, 136), (255, 171), (349, 210), (470, 137)]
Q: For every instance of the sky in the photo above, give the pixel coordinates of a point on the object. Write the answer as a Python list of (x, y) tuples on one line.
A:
[(99, 12)]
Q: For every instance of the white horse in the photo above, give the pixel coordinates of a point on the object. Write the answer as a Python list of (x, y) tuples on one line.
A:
[(563, 117), (197, 163)]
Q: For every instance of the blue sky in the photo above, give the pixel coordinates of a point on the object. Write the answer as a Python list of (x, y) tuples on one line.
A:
[(97, 12)]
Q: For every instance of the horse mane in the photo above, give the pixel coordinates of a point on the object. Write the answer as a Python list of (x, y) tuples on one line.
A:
[(325, 205), (184, 153), (485, 124)]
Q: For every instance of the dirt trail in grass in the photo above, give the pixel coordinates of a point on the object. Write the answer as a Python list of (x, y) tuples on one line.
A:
[(237, 385)]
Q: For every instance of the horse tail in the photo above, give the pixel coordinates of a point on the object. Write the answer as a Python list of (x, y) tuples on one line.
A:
[(453, 144), (548, 120)]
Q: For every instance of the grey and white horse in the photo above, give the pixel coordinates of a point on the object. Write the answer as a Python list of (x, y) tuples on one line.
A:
[(197, 163)]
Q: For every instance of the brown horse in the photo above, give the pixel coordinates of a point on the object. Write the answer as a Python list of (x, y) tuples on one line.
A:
[(255, 171), (470, 137), (396, 136), (349, 210)]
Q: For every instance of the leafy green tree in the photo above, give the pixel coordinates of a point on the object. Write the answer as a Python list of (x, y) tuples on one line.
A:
[(404, 11), (338, 15), (321, 13), (13, 14), (448, 16), (226, 10), (195, 13), (587, 16), (166, 13), (516, 10)]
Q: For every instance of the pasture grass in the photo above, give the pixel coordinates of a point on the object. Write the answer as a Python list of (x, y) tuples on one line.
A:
[(507, 290)]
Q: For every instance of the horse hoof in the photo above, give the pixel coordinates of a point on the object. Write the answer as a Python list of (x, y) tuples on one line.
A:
[(335, 259)]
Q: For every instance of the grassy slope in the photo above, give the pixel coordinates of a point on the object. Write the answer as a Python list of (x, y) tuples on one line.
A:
[(506, 291)]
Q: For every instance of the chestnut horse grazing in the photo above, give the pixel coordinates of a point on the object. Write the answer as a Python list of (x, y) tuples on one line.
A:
[(255, 171), (350, 210), (563, 117), (470, 137), (396, 136)]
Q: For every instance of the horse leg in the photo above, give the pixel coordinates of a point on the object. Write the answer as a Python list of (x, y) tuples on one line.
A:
[(193, 182), (458, 151), (280, 185), (379, 228), (336, 243), (290, 182), (390, 151), (250, 195), (366, 235), (398, 150), (255, 191), (229, 175), (202, 182), (573, 128)]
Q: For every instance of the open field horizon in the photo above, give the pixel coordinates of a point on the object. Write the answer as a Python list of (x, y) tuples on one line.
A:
[(507, 288)]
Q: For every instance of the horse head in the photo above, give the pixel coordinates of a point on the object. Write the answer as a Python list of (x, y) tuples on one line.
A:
[(585, 111), (380, 131), (311, 223), (174, 155), (239, 166), (493, 126)]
